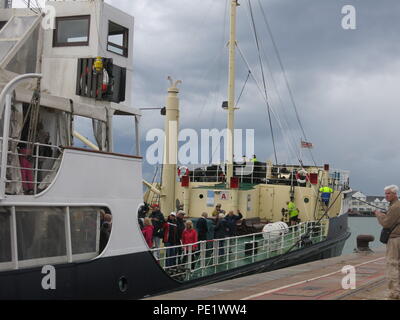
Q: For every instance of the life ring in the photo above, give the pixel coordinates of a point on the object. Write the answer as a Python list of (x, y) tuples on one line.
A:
[(106, 80), (302, 176), (183, 171)]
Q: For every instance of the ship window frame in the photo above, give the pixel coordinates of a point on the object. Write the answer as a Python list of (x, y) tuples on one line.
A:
[(3, 23), (125, 40), (17, 263), (56, 43), (8, 264)]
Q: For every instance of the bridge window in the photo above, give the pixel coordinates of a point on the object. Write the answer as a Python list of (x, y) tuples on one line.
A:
[(5, 235), (72, 31), (2, 24), (118, 39), (41, 234), (85, 232)]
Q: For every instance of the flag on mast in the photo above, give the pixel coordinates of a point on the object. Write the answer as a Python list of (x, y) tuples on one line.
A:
[(307, 145)]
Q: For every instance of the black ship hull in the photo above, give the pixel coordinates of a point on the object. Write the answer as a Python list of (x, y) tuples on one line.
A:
[(135, 276)]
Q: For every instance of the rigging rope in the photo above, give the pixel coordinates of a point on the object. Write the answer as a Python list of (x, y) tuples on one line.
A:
[(288, 129), (290, 147), (284, 75), (241, 92), (305, 236), (263, 79)]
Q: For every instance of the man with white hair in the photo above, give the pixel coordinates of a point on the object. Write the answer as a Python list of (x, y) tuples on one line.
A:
[(391, 220)]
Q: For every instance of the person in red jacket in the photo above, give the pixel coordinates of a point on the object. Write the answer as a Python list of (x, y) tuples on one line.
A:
[(189, 236), (148, 232)]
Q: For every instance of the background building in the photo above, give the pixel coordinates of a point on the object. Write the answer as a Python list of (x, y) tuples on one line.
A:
[(361, 203)]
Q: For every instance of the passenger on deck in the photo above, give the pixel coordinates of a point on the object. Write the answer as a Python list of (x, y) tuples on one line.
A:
[(105, 229), (217, 210), (221, 231), (148, 232), (325, 194), (189, 235), (180, 227), (142, 212), (231, 218), (108, 220), (171, 239), (202, 227), (157, 220), (293, 213)]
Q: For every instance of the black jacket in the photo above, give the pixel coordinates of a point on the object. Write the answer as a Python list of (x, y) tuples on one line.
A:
[(157, 224), (221, 229), (171, 232), (181, 226), (232, 223), (202, 228)]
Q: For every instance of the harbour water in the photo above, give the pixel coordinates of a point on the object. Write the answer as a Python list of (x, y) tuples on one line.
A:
[(362, 225)]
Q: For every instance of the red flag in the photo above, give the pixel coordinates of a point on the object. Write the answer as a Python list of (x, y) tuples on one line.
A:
[(305, 144)]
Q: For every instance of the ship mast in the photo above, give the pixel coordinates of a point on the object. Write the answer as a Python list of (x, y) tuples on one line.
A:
[(231, 93)]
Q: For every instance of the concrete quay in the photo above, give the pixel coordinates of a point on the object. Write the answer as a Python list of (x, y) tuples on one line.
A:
[(318, 280)]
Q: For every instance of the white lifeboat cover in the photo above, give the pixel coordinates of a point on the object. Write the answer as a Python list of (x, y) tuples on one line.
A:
[(275, 230)]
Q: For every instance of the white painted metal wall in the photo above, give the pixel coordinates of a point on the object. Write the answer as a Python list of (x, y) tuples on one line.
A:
[(98, 179), (60, 63)]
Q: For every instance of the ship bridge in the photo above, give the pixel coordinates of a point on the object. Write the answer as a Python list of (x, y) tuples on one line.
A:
[(83, 53)]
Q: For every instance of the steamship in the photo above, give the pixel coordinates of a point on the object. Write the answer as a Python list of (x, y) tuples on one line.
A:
[(54, 195)]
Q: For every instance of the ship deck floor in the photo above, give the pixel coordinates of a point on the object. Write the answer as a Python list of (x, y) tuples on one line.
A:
[(318, 280)]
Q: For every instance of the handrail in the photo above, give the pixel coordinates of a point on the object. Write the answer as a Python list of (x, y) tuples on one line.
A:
[(217, 255), (35, 175), (6, 95)]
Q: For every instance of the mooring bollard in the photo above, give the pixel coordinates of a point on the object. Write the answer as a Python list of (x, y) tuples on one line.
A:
[(363, 241)]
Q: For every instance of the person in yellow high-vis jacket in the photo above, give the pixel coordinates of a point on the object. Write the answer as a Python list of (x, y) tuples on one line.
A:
[(325, 194), (293, 212)]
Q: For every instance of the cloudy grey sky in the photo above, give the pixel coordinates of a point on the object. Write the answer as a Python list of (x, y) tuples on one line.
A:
[(344, 82)]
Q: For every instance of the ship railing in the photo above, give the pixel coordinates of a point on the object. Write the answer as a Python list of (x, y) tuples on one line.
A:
[(339, 179), (249, 172), (30, 168), (205, 258)]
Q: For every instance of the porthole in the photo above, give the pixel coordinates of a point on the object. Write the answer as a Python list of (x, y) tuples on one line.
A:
[(123, 284)]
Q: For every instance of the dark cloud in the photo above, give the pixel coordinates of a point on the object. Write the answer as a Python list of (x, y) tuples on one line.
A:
[(345, 82)]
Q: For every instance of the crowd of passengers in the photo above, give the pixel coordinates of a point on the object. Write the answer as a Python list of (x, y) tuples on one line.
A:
[(174, 230)]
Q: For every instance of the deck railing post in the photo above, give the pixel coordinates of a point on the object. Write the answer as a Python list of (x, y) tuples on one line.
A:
[(5, 98), (236, 252), (215, 253), (36, 169), (189, 256), (203, 246)]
